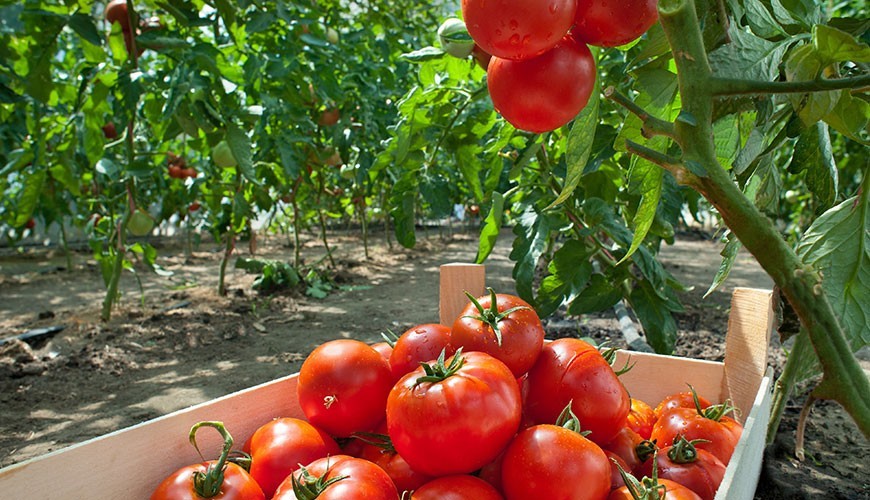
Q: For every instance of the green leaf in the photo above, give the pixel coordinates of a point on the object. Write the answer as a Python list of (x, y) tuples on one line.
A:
[(423, 55), (491, 227), (833, 45), (570, 271), (850, 117), (813, 155), (838, 245), (598, 295), (240, 145), (580, 141), (647, 180), (654, 314), (760, 20), (34, 183), (729, 255), (84, 26), (748, 56), (804, 63), (403, 208), (532, 233)]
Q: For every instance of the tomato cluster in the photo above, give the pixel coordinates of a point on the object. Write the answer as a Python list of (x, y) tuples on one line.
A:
[(178, 168), (541, 73), (483, 409)]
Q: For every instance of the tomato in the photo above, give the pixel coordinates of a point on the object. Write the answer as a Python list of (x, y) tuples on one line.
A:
[(338, 477), (420, 344), (175, 171), (545, 92), (329, 117), (343, 387), (188, 172), (680, 400), (722, 432), (491, 472), (455, 39), (504, 326), (696, 469), (378, 449), (237, 484), (609, 23), (616, 462), (279, 446), (109, 131), (223, 156), (518, 29), (30, 224), (116, 12), (458, 487), (193, 207), (625, 444), (141, 223), (383, 348), (673, 491), (571, 370), (216, 479), (546, 460), (455, 416), (641, 418)]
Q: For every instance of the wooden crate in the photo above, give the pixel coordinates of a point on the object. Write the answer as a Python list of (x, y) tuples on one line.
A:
[(131, 462)]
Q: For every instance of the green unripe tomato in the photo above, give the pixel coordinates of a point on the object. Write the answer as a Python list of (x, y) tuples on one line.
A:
[(140, 223), (223, 156), (455, 39), (331, 35)]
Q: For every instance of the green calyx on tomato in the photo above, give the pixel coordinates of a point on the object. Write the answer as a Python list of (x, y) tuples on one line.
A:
[(647, 488), (569, 420), (683, 451), (208, 484), (713, 412), (308, 487), (377, 439), (491, 316), (438, 371), (645, 449), (609, 355)]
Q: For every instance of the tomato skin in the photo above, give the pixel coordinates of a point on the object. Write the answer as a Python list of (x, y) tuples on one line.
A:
[(722, 434), (404, 477), (277, 447), (679, 400), (610, 23), (545, 461), (703, 476), (571, 370), (364, 480), (419, 344), (641, 418), (675, 491), (554, 87), (329, 117), (343, 386), (459, 424), (517, 29), (625, 444), (522, 335), (237, 485), (457, 487), (383, 348), (116, 12), (616, 480)]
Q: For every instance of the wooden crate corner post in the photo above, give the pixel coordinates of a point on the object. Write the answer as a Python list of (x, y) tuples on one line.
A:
[(456, 279)]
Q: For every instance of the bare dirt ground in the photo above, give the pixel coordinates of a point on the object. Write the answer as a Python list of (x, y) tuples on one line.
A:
[(179, 343)]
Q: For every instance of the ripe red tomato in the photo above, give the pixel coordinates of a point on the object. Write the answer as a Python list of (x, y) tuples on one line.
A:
[(378, 449), (329, 117), (116, 12), (679, 400), (188, 172), (696, 469), (545, 92), (339, 477), (545, 461), (518, 29), (236, 485), (673, 491), (609, 23), (384, 348), (30, 224), (193, 207), (109, 131), (641, 418), (504, 326), (420, 344), (455, 416), (458, 487), (175, 171), (722, 433), (278, 447), (625, 445), (571, 370), (343, 387), (616, 462)]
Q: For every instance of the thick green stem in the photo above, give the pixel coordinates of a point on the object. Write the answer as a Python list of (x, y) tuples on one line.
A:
[(843, 381)]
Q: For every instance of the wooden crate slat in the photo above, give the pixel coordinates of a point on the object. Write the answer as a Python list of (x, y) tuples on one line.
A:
[(456, 279), (750, 325)]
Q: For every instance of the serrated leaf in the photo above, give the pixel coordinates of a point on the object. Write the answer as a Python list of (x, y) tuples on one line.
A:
[(833, 45), (598, 295), (659, 325), (729, 255), (84, 26), (813, 155), (838, 245), (240, 145), (580, 141), (570, 271), (647, 179), (423, 55), (491, 227), (804, 64), (748, 56), (850, 117), (761, 21), (532, 233), (403, 208), (28, 200)]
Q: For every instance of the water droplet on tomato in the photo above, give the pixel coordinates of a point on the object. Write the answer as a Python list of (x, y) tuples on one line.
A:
[(515, 40), (514, 25)]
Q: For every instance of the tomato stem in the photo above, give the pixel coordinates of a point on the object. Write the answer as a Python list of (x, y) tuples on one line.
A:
[(492, 316), (308, 487), (208, 484), (438, 371)]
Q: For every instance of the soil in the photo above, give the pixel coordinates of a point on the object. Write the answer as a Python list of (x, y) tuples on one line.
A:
[(175, 342)]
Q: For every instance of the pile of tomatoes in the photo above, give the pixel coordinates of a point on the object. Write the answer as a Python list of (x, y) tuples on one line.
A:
[(483, 409), (542, 73)]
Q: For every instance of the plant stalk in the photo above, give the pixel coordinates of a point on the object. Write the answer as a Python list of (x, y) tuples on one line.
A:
[(843, 381)]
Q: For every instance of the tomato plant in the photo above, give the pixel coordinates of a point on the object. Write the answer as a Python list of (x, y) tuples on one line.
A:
[(339, 477), (277, 447), (502, 325), (343, 387), (455, 415)]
